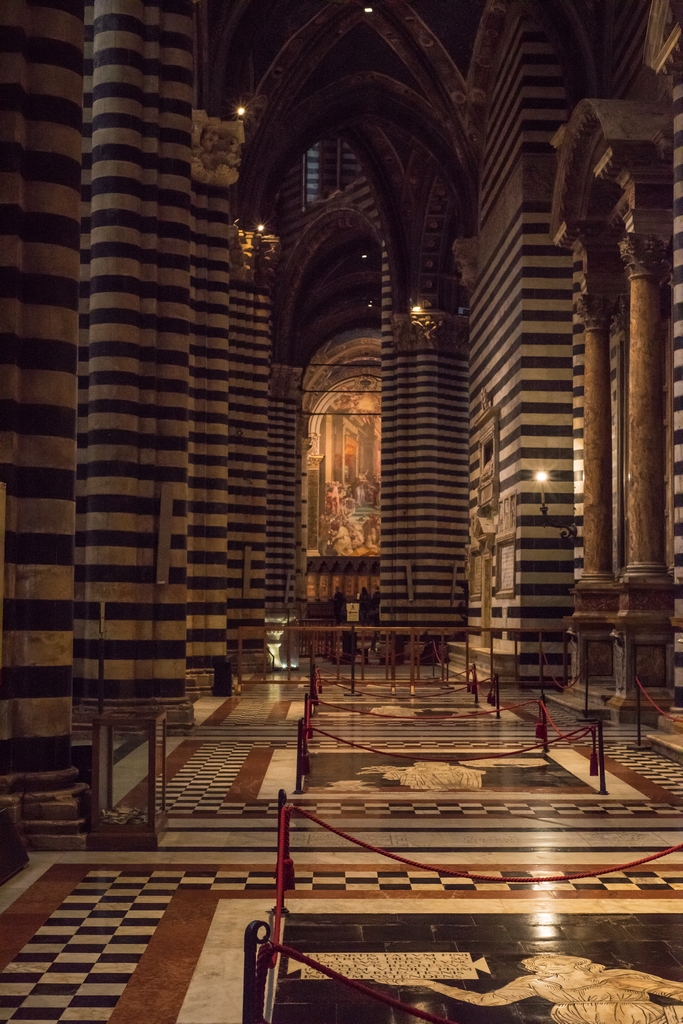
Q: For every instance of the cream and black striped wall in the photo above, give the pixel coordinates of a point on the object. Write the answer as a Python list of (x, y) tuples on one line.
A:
[(521, 330), (208, 444), (41, 67), (135, 345), (281, 513), (250, 346), (677, 284)]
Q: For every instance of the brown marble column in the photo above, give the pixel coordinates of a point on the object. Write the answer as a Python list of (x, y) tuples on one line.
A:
[(646, 266), (596, 313)]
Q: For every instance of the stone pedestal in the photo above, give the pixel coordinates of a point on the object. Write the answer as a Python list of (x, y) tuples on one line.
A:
[(643, 644), (596, 604), (49, 808)]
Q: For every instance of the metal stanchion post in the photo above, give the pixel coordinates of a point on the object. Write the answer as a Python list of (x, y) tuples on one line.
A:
[(601, 757), (585, 695), (467, 656), (251, 1013), (491, 655), (299, 757), (353, 659), (546, 748), (565, 663), (497, 685), (281, 804), (540, 665), (638, 718)]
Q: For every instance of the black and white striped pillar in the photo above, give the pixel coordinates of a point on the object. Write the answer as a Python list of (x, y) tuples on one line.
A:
[(41, 54)]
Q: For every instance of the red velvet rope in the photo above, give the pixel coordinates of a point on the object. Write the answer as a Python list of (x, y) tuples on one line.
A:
[(561, 735), (476, 877), (431, 718), (576, 735), (380, 997), (392, 682), (672, 718)]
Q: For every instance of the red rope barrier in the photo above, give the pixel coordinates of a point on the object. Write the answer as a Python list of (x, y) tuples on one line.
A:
[(560, 734), (476, 877), (577, 735), (431, 718), (672, 718), (380, 997)]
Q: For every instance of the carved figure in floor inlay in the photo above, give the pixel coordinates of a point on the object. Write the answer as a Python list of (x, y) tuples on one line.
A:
[(582, 992), (432, 775)]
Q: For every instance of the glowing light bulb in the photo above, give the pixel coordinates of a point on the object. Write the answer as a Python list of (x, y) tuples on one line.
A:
[(364, 256), (241, 111), (261, 227), (417, 309), (368, 10), (541, 477)]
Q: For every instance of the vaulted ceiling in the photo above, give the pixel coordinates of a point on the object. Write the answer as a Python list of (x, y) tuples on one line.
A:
[(403, 83)]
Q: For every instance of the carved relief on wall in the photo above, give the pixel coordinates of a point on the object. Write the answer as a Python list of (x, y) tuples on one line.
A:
[(216, 149), (441, 332)]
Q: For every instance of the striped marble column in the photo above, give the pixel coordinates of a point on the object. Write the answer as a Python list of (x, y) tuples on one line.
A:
[(430, 476), (281, 516), (215, 156), (41, 56), (133, 430), (677, 283), (250, 346)]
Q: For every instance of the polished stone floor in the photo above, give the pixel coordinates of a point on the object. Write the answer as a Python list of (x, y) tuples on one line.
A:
[(157, 936)]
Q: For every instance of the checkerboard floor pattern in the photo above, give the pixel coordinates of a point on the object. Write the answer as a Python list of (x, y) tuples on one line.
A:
[(203, 782), (450, 808), (77, 965), (661, 770)]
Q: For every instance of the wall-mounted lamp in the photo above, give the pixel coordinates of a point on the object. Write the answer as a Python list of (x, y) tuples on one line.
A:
[(241, 111), (417, 309), (542, 478), (368, 10), (261, 227), (565, 524)]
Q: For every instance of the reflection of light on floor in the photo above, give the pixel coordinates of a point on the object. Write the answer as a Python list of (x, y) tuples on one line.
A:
[(276, 652)]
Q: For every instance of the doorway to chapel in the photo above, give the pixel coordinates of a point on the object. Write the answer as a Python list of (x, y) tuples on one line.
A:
[(342, 388)]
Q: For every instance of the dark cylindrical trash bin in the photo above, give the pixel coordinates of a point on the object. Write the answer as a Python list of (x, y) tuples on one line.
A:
[(222, 679)]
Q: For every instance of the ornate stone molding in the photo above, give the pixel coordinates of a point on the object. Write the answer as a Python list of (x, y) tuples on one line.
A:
[(441, 332), (237, 255), (645, 256), (265, 259), (663, 49), (595, 311), (466, 258), (216, 149), (622, 315), (285, 383), (612, 156)]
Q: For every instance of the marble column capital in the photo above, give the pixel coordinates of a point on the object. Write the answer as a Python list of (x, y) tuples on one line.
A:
[(596, 311), (441, 332), (645, 256), (216, 149), (285, 383)]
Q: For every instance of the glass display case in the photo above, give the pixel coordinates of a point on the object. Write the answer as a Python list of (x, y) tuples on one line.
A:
[(128, 782)]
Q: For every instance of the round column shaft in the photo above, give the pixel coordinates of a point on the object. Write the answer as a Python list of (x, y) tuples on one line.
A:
[(646, 267), (596, 312)]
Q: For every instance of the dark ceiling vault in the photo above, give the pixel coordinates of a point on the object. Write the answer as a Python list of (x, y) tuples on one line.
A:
[(404, 85)]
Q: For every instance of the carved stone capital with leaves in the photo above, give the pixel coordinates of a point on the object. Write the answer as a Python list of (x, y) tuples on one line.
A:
[(645, 256), (596, 311), (216, 149), (285, 383)]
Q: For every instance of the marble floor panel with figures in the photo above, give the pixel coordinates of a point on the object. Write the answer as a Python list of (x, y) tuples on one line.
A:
[(157, 936)]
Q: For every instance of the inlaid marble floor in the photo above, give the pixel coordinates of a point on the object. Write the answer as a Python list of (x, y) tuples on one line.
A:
[(157, 937)]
